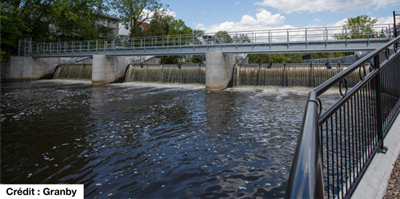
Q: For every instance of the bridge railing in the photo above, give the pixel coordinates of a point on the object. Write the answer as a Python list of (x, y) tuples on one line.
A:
[(335, 147), (272, 36)]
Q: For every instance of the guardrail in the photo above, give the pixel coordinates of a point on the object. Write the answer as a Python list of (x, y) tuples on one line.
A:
[(304, 35), (335, 148)]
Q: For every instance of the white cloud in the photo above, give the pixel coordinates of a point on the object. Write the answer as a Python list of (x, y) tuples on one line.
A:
[(289, 6), (385, 20), (204, 12), (339, 23), (381, 20), (317, 20), (263, 20), (200, 26), (237, 3)]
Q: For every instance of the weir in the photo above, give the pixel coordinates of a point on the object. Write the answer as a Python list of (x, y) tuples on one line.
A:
[(73, 71), (168, 73)]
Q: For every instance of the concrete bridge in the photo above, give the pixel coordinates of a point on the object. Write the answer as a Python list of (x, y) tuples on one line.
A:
[(110, 57)]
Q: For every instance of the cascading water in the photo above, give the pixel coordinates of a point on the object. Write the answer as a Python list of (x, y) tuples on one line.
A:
[(289, 75), (74, 71), (168, 73)]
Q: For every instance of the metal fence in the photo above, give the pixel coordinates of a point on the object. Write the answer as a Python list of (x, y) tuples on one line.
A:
[(335, 147), (239, 37)]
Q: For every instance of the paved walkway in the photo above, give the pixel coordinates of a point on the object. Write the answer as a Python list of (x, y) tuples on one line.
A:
[(375, 180)]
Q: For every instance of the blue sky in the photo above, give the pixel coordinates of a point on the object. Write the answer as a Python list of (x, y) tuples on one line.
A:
[(238, 15)]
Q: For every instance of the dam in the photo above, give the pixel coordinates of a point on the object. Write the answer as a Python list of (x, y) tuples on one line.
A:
[(150, 136)]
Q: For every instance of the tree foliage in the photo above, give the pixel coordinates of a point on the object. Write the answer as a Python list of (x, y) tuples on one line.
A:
[(241, 38), (160, 24), (223, 36), (357, 28), (267, 58), (135, 12), (48, 20)]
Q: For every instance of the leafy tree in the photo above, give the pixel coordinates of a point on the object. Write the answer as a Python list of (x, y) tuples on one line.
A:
[(223, 37), (241, 38), (48, 20), (198, 32), (358, 27), (265, 58), (160, 24), (135, 12), (198, 59), (170, 59), (178, 27)]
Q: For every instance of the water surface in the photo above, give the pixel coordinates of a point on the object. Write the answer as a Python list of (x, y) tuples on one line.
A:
[(133, 140)]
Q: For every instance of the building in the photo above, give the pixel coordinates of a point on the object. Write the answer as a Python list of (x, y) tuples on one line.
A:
[(109, 26), (125, 30)]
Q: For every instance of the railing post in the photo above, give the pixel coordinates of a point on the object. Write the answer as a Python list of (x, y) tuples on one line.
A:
[(382, 148), (306, 36), (287, 37)]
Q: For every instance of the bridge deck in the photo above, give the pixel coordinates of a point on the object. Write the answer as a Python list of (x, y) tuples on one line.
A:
[(320, 39)]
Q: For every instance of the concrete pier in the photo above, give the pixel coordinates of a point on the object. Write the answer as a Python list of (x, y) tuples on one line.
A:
[(219, 69), (109, 69)]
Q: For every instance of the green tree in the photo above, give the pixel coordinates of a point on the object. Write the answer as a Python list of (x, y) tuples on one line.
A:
[(357, 28), (198, 59), (223, 36), (135, 12), (241, 38), (178, 27), (267, 58), (198, 33), (160, 24), (47, 20)]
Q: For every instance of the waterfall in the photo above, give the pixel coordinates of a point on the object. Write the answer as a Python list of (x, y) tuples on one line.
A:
[(290, 75), (74, 71), (168, 73)]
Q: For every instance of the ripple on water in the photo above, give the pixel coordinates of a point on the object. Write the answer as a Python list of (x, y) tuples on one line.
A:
[(151, 140)]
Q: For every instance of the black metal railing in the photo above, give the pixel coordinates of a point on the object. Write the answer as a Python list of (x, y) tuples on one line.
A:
[(335, 147)]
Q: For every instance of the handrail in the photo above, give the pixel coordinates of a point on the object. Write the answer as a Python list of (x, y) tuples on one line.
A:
[(306, 177), (238, 38), (328, 84), (359, 139)]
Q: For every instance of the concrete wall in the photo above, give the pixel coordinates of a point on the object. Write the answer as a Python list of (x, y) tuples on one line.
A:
[(109, 69), (219, 68), (44, 68), (21, 68), (5, 71)]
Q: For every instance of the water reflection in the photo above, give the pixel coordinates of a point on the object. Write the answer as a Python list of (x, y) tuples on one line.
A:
[(150, 141)]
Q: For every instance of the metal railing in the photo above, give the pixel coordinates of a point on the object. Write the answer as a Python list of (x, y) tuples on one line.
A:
[(304, 35), (335, 147)]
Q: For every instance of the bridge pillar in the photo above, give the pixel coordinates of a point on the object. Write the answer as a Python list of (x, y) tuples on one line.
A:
[(219, 68), (109, 69)]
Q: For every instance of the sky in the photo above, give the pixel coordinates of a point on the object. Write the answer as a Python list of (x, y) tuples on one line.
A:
[(242, 15)]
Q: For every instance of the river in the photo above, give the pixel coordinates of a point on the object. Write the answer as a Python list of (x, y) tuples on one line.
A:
[(137, 140)]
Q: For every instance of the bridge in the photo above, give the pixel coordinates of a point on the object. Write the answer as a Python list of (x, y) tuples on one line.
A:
[(318, 39), (111, 56), (334, 147)]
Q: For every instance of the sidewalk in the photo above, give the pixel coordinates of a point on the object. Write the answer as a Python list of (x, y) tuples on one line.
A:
[(375, 180)]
